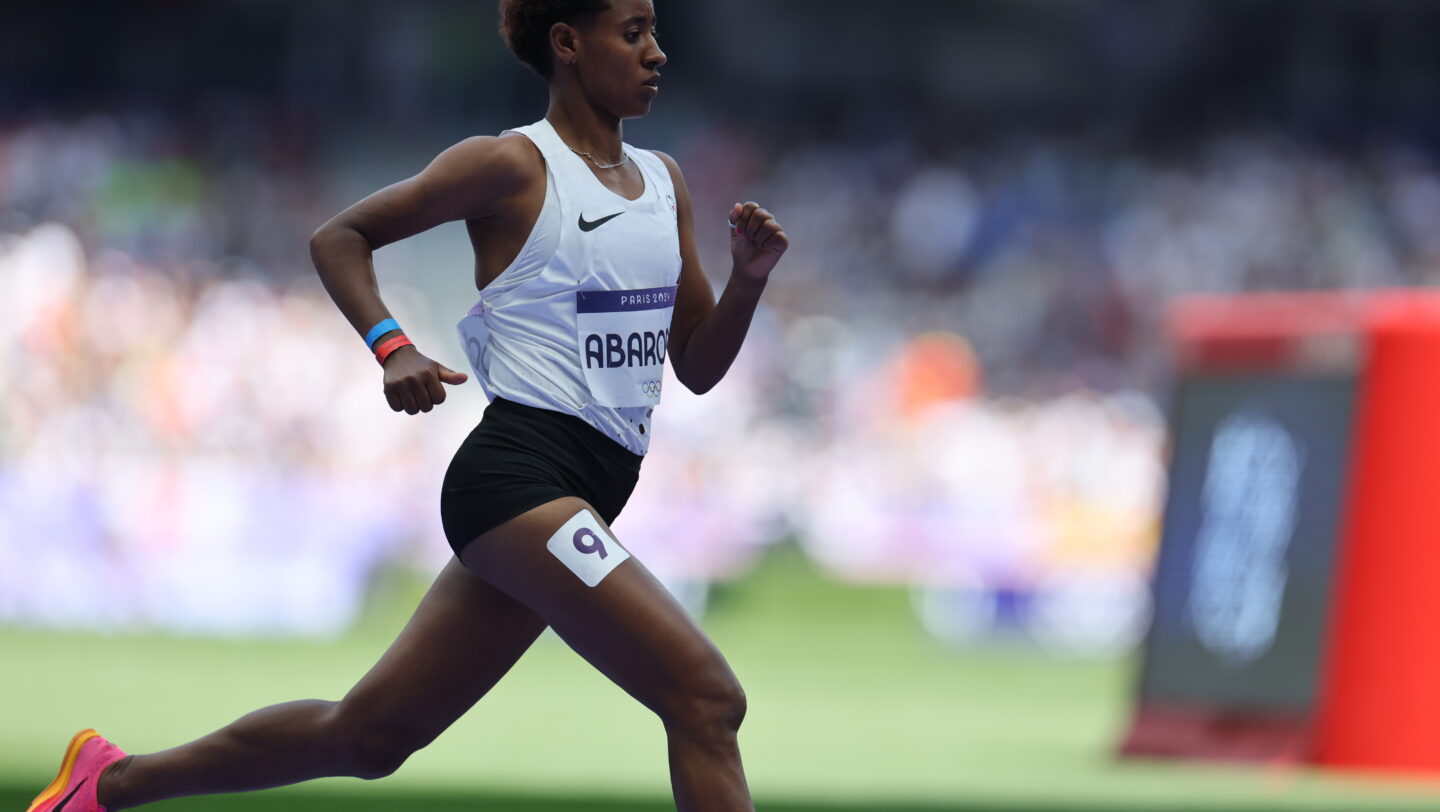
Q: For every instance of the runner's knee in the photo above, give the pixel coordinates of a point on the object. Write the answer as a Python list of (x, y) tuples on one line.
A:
[(710, 707), (374, 747)]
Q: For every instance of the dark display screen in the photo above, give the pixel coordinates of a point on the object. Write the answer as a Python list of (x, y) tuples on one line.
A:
[(1242, 585)]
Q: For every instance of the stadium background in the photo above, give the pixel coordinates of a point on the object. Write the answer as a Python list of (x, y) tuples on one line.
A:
[(922, 508)]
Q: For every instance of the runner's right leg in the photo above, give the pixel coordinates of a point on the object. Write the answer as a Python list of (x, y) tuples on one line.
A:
[(463, 638), (630, 628)]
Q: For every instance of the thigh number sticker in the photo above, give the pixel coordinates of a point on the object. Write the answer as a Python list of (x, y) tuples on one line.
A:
[(583, 545), (594, 545)]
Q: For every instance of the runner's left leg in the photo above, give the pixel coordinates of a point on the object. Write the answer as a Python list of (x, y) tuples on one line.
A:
[(463, 638)]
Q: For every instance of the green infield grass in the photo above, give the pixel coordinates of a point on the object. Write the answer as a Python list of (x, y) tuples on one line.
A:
[(851, 707)]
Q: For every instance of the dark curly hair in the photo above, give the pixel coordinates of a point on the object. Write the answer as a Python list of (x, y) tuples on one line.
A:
[(525, 26)]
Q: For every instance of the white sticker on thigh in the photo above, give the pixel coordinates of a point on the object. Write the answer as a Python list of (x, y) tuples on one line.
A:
[(586, 548)]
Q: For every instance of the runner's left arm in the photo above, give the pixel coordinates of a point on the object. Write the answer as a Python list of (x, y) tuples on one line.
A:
[(705, 335)]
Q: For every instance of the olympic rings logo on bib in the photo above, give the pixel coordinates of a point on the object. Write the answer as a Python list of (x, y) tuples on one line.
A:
[(650, 388)]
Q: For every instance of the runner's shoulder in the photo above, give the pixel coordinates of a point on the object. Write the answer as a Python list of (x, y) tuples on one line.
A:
[(502, 165), (677, 178), (669, 163)]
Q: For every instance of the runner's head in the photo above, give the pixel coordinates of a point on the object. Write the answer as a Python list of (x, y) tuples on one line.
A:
[(606, 48)]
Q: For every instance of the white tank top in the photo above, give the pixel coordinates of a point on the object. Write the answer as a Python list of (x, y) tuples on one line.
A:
[(578, 323)]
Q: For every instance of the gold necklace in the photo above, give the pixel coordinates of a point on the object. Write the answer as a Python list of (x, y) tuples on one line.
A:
[(623, 160)]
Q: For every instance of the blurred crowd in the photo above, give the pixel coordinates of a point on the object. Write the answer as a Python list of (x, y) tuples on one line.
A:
[(956, 380), (174, 452), (1056, 260)]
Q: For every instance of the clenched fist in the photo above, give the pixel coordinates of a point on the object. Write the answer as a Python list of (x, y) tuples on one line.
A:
[(413, 382), (756, 240)]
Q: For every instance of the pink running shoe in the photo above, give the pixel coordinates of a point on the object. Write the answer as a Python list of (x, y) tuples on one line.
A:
[(73, 790)]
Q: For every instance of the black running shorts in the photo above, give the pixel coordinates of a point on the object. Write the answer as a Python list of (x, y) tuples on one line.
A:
[(521, 457)]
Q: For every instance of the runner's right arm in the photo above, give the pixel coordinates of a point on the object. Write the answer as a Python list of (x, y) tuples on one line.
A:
[(473, 180)]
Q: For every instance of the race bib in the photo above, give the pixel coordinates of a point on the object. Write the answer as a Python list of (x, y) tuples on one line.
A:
[(622, 336)]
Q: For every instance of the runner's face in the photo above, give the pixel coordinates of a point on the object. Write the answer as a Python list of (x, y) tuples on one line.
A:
[(620, 59)]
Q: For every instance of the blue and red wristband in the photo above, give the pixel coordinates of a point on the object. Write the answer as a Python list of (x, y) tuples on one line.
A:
[(381, 328), (390, 345)]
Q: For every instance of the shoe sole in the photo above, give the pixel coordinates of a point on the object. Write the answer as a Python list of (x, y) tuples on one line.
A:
[(67, 769)]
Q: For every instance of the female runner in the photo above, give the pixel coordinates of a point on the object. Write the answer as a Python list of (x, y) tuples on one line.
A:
[(588, 274)]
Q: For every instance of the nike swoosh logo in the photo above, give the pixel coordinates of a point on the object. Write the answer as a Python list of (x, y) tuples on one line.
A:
[(591, 225), (62, 804)]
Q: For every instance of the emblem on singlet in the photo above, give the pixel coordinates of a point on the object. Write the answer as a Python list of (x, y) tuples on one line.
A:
[(591, 225)]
